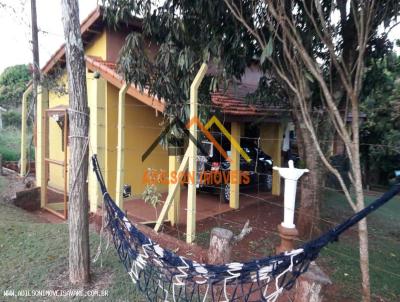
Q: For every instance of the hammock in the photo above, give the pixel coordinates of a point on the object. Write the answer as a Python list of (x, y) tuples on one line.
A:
[(162, 275)]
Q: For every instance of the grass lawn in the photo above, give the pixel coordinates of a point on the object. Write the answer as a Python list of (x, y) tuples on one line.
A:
[(341, 259), (34, 256)]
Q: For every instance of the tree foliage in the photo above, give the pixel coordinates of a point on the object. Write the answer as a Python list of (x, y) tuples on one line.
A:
[(380, 133), (185, 33), (13, 82)]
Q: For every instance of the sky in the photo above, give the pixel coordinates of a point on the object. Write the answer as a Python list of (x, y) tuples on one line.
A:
[(15, 30)]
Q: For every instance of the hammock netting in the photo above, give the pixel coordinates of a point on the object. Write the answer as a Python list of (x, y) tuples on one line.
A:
[(162, 275)]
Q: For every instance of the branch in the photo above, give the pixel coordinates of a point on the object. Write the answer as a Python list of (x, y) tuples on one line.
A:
[(310, 128), (291, 33), (238, 15), (245, 231)]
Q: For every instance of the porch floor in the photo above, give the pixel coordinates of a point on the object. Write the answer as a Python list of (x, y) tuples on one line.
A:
[(208, 205)]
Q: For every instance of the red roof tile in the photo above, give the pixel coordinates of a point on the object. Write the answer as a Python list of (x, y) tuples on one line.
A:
[(232, 100), (108, 72)]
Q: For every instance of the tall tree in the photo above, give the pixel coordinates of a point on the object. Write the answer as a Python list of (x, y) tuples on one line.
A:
[(337, 69), (79, 259), (13, 83), (380, 133), (315, 50)]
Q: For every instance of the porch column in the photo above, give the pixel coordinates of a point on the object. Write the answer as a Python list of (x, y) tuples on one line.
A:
[(24, 109), (235, 167), (119, 199), (277, 158), (271, 143), (41, 141), (173, 212), (96, 101)]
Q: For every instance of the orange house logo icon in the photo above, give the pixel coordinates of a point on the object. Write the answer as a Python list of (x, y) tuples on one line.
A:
[(205, 130)]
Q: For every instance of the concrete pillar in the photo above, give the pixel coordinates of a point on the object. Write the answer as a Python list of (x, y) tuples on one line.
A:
[(24, 109), (96, 101), (189, 159), (41, 141), (192, 153), (119, 199), (271, 143), (235, 167)]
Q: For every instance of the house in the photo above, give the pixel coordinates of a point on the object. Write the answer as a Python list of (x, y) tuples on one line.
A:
[(124, 122), (1, 119)]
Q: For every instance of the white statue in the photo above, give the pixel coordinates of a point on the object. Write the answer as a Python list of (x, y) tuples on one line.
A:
[(291, 175)]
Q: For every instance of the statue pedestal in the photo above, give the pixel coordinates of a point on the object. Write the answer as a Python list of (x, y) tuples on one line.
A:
[(288, 235)]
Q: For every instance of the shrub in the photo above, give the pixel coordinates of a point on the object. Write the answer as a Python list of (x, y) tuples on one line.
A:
[(11, 119), (10, 139), (8, 155)]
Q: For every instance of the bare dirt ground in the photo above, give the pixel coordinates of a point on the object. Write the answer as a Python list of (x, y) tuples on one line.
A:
[(14, 184), (260, 242)]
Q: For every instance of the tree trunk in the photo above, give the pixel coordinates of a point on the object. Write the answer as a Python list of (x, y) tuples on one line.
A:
[(312, 183), (311, 191), (79, 259), (358, 184), (362, 232), (311, 285), (364, 259), (220, 248)]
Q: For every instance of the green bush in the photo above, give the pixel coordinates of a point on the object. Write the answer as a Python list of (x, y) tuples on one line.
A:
[(9, 155), (11, 119), (10, 139)]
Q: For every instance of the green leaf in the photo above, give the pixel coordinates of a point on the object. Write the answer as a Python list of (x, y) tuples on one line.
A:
[(267, 51)]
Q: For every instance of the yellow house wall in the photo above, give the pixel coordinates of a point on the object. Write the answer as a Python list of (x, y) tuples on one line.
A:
[(56, 173), (142, 127), (98, 47)]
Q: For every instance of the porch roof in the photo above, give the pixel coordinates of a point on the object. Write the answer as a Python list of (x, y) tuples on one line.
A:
[(232, 100), (108, 71), (234, 105)]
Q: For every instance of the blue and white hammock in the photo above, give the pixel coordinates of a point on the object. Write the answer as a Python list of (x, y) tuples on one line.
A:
[(162, 275)]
